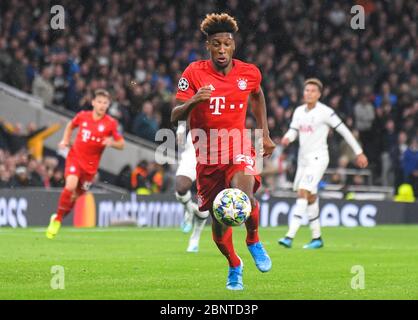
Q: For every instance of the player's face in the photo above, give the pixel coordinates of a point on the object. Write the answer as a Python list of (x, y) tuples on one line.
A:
[(221, 47), (311, 93), (100, 105)]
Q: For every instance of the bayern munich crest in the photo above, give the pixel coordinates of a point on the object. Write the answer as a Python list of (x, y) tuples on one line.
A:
[(183, 84), (242, 84)]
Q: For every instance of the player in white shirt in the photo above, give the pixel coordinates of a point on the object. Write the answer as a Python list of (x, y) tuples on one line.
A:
[(311, 123), (185, 175)]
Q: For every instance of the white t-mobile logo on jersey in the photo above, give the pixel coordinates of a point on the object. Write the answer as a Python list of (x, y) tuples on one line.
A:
[(85, 135), (220, 104)]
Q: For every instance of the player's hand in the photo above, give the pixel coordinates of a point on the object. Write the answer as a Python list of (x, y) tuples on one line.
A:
[(285, 142), (108, 142), (63, 145), (361, 161), (202, 94), (268, 146)]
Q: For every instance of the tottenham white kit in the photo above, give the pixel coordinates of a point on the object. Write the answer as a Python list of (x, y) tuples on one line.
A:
[(312, 128), (187, 162)]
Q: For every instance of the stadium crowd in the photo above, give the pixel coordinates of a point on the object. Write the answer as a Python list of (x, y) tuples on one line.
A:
[(138, 49), (24, 162)]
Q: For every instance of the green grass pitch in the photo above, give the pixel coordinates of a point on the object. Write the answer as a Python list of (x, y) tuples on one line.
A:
[(132, 263)]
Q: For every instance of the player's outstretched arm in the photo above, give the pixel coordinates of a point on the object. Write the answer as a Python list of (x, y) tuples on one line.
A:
[(182, 109), (65, 141), (291, 134), (258, 104), (361, 159)]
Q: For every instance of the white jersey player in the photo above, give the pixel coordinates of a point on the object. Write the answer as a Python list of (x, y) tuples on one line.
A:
[(185, 175), (311, 123)]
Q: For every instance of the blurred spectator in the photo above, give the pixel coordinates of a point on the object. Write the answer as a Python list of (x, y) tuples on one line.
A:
[(59, 85), (389, 154), (145, 125), (156, 177), (16, 71), (21, 168), (23, 178), (410, 164), (4, 177), (364, 115), (277, 169), (57, 180), (139, 179), (123, 178), (343, 163), (13, 139), (42, 86)]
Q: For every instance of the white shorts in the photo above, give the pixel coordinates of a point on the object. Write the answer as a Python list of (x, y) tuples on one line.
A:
[(309, 175), (187, 162)]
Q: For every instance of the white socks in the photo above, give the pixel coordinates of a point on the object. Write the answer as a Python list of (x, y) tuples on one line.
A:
[(186, 200), (193, 215), (313, 214), (299, 211), (198, 226)]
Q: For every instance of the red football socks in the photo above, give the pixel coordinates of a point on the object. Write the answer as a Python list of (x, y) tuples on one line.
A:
[(225, 245), (65, 204), (252, 225)]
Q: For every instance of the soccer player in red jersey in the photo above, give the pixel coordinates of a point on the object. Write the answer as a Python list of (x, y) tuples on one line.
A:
[(96, 131), (213, 94)]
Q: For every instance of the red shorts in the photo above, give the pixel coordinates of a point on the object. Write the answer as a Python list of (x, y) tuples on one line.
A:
[(85, 179), (212, 179)]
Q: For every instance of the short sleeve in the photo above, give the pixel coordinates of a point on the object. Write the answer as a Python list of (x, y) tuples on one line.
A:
[(115, 132), (186, 87), (77, 119), (258, 78), (332, 119)]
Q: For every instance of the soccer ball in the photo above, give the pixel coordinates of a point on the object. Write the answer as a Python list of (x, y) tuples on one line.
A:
[(232, 207)]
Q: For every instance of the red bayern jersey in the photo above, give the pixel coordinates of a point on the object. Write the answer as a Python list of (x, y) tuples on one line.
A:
[(88, 146), (227, 106)]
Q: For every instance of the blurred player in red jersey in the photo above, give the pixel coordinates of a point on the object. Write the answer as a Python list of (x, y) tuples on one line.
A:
[(213, 94), (96, 131)]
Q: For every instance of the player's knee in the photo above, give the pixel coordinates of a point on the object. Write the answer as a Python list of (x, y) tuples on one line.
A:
[(304, 194), (182, 186), (70, 186), (182, 190), (312, 199)]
